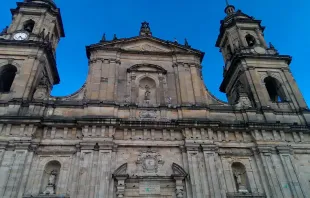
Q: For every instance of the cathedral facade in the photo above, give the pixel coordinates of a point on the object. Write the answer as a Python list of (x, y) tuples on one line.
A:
[(144, 125)]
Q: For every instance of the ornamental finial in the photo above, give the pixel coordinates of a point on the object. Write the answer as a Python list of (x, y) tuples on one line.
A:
[(145, 29), (230, 9)]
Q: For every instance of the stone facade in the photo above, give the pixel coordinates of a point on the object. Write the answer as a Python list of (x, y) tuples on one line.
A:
[(144, 124)]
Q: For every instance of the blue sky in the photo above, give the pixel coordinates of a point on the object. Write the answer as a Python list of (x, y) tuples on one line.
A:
[(287, 25)]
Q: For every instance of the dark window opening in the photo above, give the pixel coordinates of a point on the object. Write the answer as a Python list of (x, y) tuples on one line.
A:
[(274, 89), (29, 25), (250, 40), (228, 52), (7, 76)]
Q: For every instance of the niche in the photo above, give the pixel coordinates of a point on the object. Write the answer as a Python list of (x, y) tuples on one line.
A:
[(240, 177), (147, 91), (50, 178)]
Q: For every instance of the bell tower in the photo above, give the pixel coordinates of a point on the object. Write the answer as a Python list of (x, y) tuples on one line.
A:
[(255, 74), (27, 51)]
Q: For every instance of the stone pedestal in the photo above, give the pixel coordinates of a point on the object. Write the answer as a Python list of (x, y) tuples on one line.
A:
[(49, 190)]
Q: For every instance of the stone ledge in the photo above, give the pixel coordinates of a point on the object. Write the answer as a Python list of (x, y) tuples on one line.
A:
[(47, 196), (246, 195)]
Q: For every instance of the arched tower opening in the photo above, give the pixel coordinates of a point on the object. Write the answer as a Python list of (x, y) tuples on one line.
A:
[(7, 76)]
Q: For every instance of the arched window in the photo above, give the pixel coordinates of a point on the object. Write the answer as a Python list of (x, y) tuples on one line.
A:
[(7, 75), (29, 25), (240, 177), (250, 40), (274, 89), (50, 178)]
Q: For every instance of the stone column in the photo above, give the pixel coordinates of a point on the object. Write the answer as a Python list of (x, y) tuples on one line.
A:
[(292, 88), (256, 87), (85, 161), (160, 91), (194, 172), (6, 168), (272, 178), (94, 172), (24, 84), (39, 24), (188, 85), (104, 173), (3, 146), (16, 23), (111, 80), (261, 38), (196, 82), (291, 175), (133, 89), (188, 186), (241, 37), (28, 164), (262, 172), (75, 171), (177, 83), (211, 168)]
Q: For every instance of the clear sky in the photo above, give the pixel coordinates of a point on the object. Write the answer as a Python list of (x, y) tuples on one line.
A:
[(85, 21)]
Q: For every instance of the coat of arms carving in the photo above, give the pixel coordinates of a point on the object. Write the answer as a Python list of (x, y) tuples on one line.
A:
[(150, 161)]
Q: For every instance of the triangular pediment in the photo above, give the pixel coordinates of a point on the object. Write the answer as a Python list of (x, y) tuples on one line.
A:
[(146, 46)]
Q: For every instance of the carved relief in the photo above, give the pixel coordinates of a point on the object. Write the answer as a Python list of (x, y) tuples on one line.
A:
[(147, 115), (145, 47), (150, 161)]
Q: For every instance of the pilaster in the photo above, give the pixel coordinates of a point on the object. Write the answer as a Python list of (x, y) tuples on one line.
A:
[(177, 83), (196, 82), (104, 174), (194, 170), (212, 169), (27, 166), (292, 177), (262, 172)]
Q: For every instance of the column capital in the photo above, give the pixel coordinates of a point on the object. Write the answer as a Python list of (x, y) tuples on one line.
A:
[(284, 150), (209, 148)]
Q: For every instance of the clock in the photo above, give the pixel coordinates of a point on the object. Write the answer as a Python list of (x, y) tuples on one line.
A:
[(260, 50), (20, 36)]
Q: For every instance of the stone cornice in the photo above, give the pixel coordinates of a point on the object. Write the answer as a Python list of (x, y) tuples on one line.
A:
[(123, 123), (81, 104), (109, 46)]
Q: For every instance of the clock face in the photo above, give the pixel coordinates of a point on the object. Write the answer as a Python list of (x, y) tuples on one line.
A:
[(20, 36)]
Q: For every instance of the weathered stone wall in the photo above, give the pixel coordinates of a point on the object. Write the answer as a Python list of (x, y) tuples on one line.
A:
[(276, 161)]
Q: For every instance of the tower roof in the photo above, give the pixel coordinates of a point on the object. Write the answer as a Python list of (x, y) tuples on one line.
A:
[(46, 2), (233, 17)]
